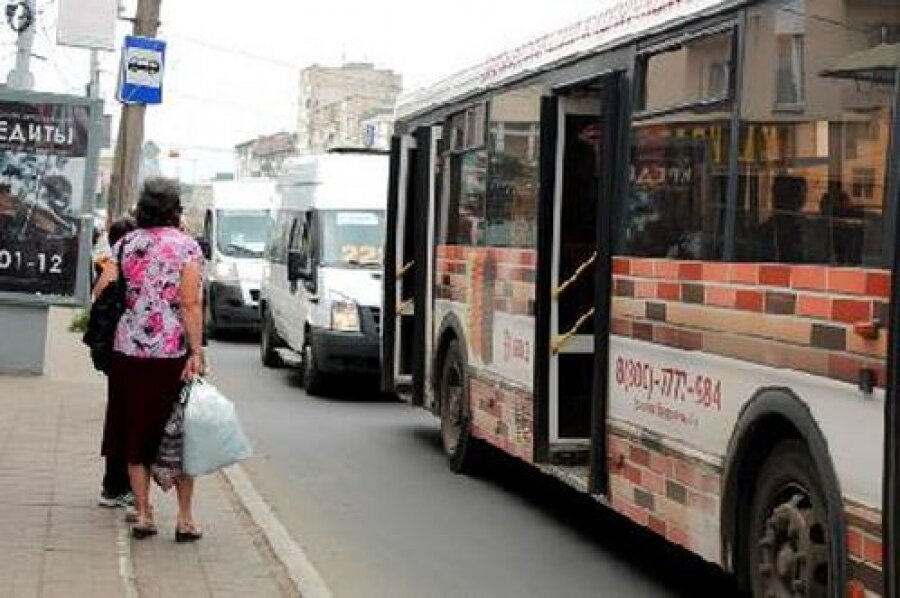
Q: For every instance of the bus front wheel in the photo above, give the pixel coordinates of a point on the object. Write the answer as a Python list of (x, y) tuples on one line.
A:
[(456, 439), (790, 542)]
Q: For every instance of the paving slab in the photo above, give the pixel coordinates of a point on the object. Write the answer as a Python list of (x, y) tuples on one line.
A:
[(54, 538)]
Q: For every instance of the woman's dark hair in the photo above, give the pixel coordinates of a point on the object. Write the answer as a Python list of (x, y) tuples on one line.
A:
[(120, 228), (159, 203)]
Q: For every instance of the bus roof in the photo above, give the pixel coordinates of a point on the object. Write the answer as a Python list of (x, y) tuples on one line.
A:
[(619, 22)]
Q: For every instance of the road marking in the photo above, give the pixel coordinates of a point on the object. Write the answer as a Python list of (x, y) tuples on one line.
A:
[(299, 568), (126, 562)]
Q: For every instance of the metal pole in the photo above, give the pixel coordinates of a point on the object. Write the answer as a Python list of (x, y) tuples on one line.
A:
[(20, 77), (94, 85)]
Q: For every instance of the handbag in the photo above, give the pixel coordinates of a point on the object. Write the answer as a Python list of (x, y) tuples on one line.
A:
[(167, 466), (104, 317), (213, 436)]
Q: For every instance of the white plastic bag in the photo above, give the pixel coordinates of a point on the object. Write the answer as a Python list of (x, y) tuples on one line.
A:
[(213, 437)]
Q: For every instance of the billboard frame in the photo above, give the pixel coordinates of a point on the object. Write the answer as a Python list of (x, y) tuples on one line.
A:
[(81, 296)]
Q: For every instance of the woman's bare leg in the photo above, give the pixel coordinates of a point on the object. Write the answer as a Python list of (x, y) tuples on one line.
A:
[(140, 486), (184, 486)]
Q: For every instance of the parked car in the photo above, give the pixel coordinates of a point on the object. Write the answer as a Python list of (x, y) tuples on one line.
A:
[(321, 289)]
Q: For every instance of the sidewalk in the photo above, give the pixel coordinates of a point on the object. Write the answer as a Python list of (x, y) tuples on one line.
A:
[(55, 541)]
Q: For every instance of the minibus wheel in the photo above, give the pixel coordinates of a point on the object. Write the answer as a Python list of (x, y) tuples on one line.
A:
[(790, 540), (313, 377), (268, 341), (454, 396)]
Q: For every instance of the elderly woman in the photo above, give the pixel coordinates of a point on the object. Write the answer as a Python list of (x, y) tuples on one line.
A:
[(157, 346)]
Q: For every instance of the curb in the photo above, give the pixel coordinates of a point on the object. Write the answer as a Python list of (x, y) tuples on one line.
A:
[(125, 558), (300, 569)]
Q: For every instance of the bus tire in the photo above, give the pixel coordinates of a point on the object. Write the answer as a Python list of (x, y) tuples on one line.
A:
[(269, 341), (790, 551), (453, 392), (313, 378)]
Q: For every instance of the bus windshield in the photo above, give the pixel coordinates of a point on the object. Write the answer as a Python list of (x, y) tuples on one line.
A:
[(242, 233), (352, 237)]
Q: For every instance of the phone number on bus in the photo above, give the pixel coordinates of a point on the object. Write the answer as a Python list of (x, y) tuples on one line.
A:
[(669, 383)]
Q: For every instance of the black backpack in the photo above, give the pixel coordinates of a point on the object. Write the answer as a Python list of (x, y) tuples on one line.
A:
[(106, 312)]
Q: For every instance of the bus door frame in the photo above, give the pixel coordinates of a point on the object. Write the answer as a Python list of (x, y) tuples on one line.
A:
[(395, 260), (391, 269), (618, 100), (891, 484)]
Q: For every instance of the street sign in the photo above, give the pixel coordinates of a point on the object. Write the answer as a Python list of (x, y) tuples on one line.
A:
[(141, 70), (87, 24)]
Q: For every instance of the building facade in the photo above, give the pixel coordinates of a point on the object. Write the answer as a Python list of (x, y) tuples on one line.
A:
[(264, 156), (346, 106)]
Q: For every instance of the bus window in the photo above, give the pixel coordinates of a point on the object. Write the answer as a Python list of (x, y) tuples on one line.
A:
[(680, 160), (696, 72), (462, 209), (511, 205), (815, 133)]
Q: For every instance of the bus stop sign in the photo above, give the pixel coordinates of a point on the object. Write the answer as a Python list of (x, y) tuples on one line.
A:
[(141, 70)]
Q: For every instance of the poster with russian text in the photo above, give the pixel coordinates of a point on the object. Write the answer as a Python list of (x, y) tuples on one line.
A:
[(43, 162)]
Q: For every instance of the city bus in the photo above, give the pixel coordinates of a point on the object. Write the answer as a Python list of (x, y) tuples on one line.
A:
[(652, 254)]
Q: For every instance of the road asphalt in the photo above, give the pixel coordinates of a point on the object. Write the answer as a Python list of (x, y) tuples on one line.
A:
[(359, 481)]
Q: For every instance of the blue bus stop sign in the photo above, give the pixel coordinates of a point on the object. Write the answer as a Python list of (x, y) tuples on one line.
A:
[(141, 70)]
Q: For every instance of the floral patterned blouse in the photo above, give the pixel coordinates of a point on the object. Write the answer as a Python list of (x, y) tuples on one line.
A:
[(152, 262)]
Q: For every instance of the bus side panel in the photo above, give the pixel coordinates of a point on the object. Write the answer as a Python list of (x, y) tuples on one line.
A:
[(489, 293), (694, 342)]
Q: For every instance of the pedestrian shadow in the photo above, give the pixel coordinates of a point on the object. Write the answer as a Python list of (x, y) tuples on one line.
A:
[(649, 555)]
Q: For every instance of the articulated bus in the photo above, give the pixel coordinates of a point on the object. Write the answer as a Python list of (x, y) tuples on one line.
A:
[(653, 254)]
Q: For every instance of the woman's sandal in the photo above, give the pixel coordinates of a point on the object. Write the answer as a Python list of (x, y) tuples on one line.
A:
[(143, 530), (187, 534), (140, 530)]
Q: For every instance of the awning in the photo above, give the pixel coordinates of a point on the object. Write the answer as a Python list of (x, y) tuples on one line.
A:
[(878, 64)]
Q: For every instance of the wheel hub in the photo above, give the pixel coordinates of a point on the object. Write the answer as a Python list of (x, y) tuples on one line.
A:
[(793, 558), (452, 409)]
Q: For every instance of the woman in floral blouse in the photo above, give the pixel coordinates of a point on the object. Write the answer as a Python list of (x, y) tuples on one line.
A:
[(158, 345)]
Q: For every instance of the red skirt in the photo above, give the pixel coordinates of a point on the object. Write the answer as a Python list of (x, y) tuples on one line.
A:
[(141, 393)]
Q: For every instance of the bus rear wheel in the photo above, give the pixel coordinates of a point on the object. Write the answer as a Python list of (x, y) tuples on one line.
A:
[(790, 542), (456, 439)]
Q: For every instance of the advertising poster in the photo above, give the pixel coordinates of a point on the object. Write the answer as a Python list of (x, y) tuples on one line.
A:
[(43, 168)]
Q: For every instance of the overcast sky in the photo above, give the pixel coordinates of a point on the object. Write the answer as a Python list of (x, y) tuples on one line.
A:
[(232, 66)]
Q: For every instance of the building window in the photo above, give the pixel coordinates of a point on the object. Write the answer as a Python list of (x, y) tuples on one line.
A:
[(790, 71)]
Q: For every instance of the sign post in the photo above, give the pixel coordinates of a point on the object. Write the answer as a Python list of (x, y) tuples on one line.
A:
[(48, 160)]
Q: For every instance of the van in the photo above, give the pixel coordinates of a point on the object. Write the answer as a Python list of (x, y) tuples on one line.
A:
[(321, 290), (236, 220)]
